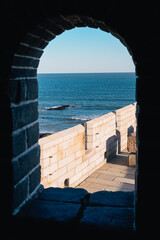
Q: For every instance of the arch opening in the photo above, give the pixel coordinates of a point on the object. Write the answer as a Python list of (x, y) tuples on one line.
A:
[(90, 93), (24, 73)]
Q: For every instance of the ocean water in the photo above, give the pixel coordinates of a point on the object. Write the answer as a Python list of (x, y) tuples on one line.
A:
[(89, 96)]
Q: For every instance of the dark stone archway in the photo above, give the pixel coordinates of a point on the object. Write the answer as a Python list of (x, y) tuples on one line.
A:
[(24, 99), (26, 30)]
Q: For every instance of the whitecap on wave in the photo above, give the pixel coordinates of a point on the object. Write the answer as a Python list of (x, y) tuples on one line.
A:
[(85, 117)]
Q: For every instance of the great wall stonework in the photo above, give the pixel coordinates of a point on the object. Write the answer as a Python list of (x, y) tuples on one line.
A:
[(70, 156), (32, 27)]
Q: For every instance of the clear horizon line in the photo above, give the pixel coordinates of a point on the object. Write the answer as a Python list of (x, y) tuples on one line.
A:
[(82, 72)]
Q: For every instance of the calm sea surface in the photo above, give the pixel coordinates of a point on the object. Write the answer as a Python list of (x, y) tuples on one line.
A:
[(90, 95)]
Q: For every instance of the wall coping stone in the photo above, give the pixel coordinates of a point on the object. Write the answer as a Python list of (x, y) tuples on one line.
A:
[(53, 207)]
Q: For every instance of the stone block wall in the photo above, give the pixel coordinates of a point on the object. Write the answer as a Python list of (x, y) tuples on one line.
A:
[(25, 133), (32, 27), (70, 156), (125, 124), (61, 157), (64, 160), (101, 135)]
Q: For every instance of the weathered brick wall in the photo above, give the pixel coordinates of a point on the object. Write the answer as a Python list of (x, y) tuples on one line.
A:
[(63, 155)]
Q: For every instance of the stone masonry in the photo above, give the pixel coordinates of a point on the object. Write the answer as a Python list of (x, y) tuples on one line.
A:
[(132, 149), (26, 29), (74, 154), (73, 211)]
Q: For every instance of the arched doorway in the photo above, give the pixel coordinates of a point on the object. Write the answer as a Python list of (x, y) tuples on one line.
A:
[(24, 70), (93, 79), (28, 53), (26, 160), (75, 54)]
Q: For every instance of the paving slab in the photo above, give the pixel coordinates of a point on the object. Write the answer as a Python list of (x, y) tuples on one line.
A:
[(103, 181), (109, 177), (94, 187), (115, 175), (127, 186)]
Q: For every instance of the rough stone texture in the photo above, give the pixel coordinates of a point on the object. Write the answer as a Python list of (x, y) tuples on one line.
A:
[(132, 159), (21, 113), (105, 198), (25, 164), (108, 218), (51, 210), (19, 144), (16, 90), (20, 20), (64, 194), (20, 193), (32, 134), (34, 179), (82, 210), (32, 89), (131, 143)]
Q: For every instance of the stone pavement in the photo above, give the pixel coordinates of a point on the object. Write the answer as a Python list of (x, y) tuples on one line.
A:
[(115, 175)]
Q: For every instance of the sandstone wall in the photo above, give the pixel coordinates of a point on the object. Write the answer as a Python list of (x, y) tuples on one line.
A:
[(70, 156), (101, 135), (125, 124)]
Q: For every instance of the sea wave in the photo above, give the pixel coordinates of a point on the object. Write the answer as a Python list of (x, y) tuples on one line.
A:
[(79, 118), (47, 131), (84, 117)]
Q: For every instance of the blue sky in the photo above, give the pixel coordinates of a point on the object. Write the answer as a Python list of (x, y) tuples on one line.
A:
[(83, 50)]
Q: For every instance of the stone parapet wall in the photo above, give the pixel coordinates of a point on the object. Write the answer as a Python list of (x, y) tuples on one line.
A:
[(101, 134), (70, 156), (125, 124), (61, 156), (64, 158), (32, 27)]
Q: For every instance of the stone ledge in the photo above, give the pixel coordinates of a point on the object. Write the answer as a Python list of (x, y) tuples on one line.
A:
[(50, 210), (66, 195), (108, 218), (63, 207), (117, 199)]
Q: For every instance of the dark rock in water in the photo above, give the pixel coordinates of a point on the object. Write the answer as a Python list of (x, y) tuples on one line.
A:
[(41, 135), (59, 107)]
